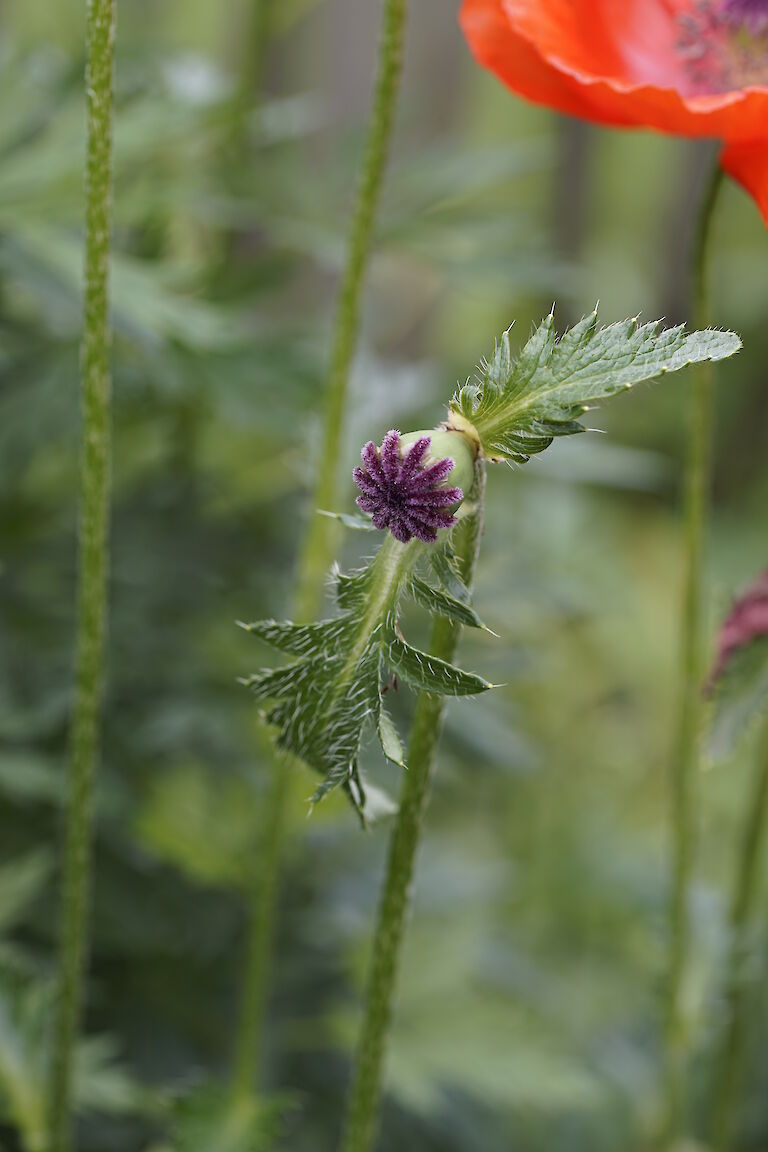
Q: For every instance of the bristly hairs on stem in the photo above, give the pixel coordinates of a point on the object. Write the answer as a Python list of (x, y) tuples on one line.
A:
[(317, 552), (92, 571), (698, 478)]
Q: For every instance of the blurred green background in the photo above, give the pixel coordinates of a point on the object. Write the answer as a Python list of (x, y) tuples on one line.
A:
[(530, 1007)]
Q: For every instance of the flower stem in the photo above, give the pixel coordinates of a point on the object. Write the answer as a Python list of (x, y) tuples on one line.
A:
[(319, 546), (317, 552), (92, 569), (365, 1091), (697, 491), (728, 1065)]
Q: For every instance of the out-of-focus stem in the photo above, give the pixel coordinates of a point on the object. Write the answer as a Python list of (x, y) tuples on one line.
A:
[(317, 552), (362, 1111), (263, 898), (728, 1067), (252, 52), (697, 492), (92, 570)]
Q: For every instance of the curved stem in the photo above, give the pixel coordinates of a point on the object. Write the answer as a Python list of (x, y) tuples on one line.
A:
[(93, 568), (317, 552), (365, 1091), (728, 1065), (697, 490)]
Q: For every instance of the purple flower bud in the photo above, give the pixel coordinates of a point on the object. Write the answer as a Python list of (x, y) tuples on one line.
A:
[(402, 485), (748, 619)]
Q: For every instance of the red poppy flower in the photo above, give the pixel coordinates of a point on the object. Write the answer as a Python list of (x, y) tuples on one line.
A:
[(690, 67)]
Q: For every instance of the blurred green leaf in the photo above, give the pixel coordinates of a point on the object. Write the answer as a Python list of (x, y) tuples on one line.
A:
[(26, 778), (21, 882), (201, 823), (145, 307), (100, 1085), (213, 1118), (739, 698)]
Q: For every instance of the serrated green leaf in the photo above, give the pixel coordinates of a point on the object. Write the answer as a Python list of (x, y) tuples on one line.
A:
[(740, 698), (211, 1118), (441, 603), (296, 639), (430, 674), (389, 738), (321, 701), (21, 882), (518, 406), (352, 588)]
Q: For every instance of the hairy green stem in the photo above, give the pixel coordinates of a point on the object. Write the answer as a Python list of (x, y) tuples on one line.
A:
[(693, 652), (365, 1092), (317, 552), (728, 1066), (92, 573), (255, 47)]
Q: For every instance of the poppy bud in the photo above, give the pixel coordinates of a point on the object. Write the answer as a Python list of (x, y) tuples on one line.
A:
[(746, 622), (414, 484)]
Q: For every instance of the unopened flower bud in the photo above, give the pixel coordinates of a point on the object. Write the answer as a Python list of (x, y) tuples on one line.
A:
[(746, 622)]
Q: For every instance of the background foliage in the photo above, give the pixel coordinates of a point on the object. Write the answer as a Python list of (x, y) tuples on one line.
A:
[(530, 1004)]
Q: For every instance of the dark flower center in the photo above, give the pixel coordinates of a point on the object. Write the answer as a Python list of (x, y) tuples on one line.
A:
[(724, 45), (749, 14)]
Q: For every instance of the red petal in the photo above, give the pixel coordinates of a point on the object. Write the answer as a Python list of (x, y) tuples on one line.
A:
[(614, 63), (748, 164)]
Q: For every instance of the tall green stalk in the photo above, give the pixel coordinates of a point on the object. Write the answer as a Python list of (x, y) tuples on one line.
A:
[(317, 552), (93, 568), (728, 1067), (693, 653), (365, 1092)]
